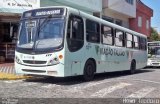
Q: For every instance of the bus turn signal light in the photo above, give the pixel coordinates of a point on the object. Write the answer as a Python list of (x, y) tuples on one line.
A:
[(60, 56)]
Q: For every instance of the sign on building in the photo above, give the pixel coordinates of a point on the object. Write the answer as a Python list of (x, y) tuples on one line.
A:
[(19, 5)]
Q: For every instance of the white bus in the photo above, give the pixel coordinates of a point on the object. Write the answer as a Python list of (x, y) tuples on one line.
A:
[(153, 53), (62, 41)]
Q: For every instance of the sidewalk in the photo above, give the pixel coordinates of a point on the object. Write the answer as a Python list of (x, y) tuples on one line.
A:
[(7, 72)]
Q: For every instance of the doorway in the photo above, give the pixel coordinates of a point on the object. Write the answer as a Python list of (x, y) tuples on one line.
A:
[(8, 38)]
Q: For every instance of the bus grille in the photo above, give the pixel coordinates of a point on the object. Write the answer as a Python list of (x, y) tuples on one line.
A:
[(34, 62), (155, 63), (34, 71)]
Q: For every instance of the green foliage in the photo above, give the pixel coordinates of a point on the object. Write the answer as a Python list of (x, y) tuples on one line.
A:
[(154, 35)]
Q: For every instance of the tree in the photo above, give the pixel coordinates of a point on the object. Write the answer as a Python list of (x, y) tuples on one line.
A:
[(154, 35)]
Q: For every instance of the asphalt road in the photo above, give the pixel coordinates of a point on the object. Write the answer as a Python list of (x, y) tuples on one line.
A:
[(145, 83)]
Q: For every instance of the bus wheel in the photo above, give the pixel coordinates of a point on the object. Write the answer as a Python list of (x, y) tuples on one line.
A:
[(133, 67), (89, 70)]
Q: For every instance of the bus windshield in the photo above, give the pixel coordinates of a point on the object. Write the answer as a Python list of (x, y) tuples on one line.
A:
[(154, 51), (43, 33)]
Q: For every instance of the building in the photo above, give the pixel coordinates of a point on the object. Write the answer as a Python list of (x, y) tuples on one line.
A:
[(142, 22), (10, 12), (119, 11), (88, 6), (132, 14)]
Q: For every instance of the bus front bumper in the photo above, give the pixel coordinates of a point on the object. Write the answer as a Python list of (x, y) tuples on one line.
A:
[(55, 70), (153, 63)]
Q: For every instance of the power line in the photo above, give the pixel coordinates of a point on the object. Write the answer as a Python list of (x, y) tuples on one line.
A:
[(20, 6), (28, 3)]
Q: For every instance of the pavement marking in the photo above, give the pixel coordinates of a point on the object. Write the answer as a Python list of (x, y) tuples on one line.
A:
[(1, 68), (103, 92), (49, 86), (28, 84), (13, 81), (142, 80), (147, 81), (11, 70), (141, 93), (90, 84), (14, 71), (7, 69)]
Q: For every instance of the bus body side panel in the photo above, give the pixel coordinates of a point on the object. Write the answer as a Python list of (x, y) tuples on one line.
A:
[(74, 62), (112, 59), (140, 57)]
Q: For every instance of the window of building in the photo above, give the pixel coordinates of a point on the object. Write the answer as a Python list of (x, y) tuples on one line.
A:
[(109, 19), (139, 21), (119, 38), (107, 35), (129, 40), (92, 31), (118, 22), (130, 2)]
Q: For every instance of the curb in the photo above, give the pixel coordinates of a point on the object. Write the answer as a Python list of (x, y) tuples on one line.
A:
[(6, 76)]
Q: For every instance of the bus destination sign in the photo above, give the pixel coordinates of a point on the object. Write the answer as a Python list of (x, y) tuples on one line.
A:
[(50, 12), (44, 12), (153, 44)]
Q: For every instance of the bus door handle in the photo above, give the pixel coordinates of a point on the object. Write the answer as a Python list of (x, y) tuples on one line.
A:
[(75, 62)]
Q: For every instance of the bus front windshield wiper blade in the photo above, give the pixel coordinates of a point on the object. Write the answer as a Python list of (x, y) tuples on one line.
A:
[(47, 19)]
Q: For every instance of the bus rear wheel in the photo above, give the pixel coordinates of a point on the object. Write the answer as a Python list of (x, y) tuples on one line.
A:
[(89, 70), (133, 67)]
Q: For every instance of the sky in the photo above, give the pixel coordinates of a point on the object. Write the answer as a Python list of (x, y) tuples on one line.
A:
[(155, 5)]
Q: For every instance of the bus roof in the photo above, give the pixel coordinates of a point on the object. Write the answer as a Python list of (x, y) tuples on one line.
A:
[(154, 42), (91, 17)]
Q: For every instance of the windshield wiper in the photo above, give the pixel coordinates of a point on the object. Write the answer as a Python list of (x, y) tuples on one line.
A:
[(47, 19)]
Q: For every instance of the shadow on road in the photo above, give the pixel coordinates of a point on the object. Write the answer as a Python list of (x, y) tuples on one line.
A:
[(78, 79)]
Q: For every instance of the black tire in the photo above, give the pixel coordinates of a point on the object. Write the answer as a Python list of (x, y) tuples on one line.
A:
[(89, 70), (133, 67)]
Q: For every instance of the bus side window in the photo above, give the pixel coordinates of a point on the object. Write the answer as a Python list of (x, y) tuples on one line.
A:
[(136, 42), (143, 43), (92, 31), (107, 35), (129, 40), (75, 33), (119, 38)]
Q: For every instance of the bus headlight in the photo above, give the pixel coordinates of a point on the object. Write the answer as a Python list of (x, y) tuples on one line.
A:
[(18, 60), (53, 61)]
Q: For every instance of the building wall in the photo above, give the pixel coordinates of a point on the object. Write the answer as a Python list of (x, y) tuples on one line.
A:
[(145, 13), (121, 6), (119, 10), (88, 6), (118, 16)]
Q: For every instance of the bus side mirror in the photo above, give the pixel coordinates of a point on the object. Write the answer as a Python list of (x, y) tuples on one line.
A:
[(75, 25)]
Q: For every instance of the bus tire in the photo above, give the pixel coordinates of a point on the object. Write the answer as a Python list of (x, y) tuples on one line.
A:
[(133, 67), (89, 70)]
